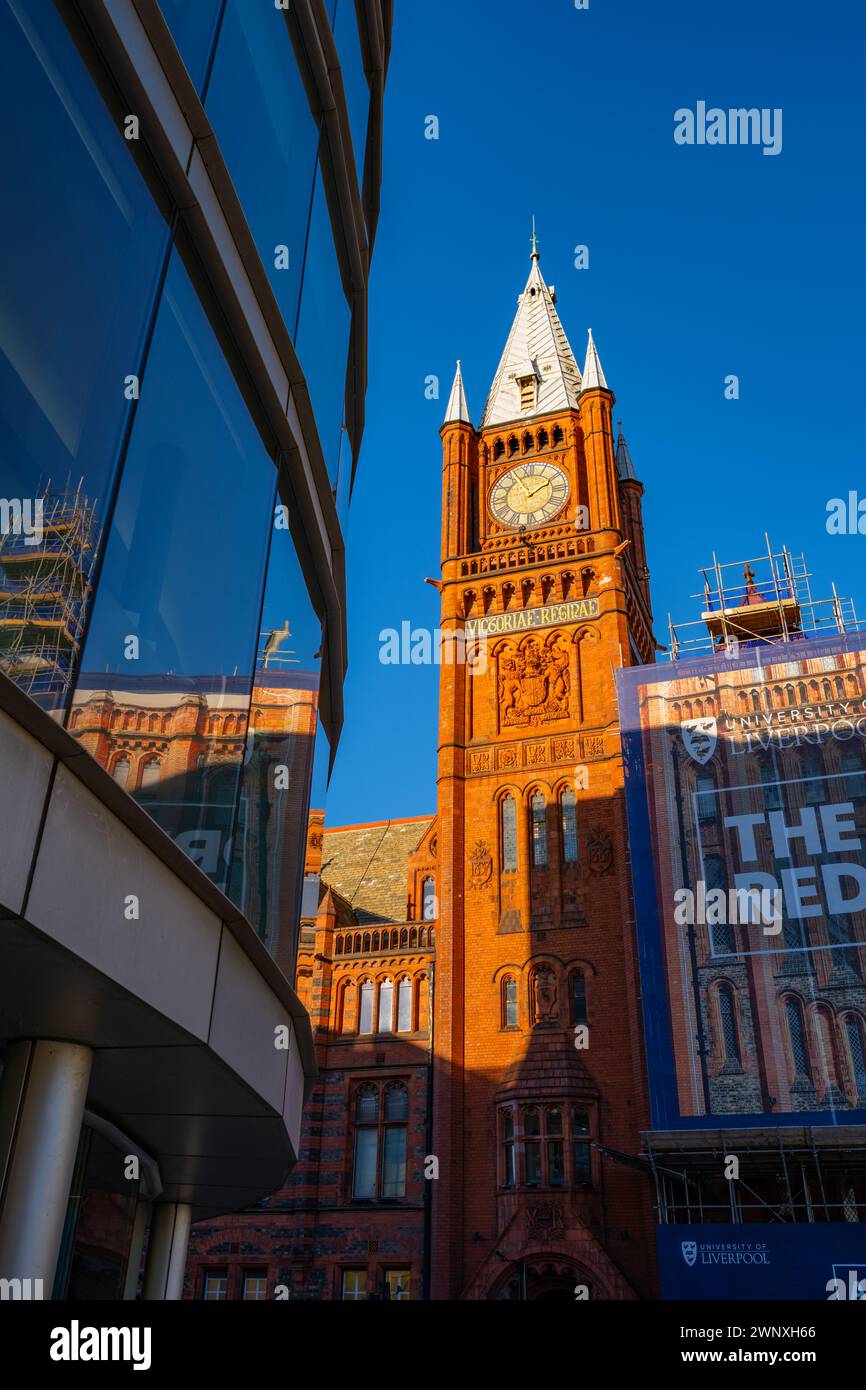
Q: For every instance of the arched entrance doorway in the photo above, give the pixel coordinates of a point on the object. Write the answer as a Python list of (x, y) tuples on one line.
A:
[(542, 1279)]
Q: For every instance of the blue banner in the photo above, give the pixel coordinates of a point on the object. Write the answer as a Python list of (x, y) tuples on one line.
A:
[(816, 1261)]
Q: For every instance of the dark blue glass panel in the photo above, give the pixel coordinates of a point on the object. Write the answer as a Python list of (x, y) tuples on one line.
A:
[(168, 666), (259, 110), (355, 83), (193, 26), (83, 246), (323, 331)]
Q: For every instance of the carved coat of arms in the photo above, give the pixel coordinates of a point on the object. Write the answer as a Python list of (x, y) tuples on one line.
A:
[(534, 684), (480, 865), (600, 851)]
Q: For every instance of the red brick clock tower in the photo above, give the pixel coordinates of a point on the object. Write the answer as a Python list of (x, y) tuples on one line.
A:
[(543, 562)]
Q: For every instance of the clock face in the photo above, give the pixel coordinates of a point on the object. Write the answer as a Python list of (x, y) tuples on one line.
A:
[(529, 494)]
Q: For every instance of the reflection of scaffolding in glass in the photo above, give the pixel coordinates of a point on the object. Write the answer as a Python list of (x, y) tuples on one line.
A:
[(767, 600), (45, 582)]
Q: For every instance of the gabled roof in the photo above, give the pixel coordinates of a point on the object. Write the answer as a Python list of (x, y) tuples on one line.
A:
[(536, 346)]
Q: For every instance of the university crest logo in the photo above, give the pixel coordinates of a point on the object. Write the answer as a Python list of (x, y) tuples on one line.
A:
[(699, 737), (690, 1251), (480, 865)]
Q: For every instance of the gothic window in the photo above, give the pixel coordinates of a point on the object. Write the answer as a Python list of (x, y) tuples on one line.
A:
[(797, 1039), (121, 771), (386, 1006), (150, 773), (428, 900), (705, 788), (539, 831), (366, 943), (404, 1005), (513, 445), (528, 441), (728, 1018), (380, 1121), (365, 1024), (557, 434), (577, 997), (854, 1036), (344, 1009), (555, 1153), (498, 449), (394, 1142), (366, 1142), (413, 936), (509, 1003), (569, 827), (722, 934), (375, 941), (509, 834), (542, 439)]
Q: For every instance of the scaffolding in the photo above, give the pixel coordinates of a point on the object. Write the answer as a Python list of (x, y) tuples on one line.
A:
[(770, 601), (784, 1175), (45, 585)]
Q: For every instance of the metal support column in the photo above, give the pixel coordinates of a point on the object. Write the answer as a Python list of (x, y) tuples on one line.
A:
[(42, 1099)]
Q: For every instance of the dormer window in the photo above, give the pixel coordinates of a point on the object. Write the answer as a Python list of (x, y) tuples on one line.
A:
[(527, 386)]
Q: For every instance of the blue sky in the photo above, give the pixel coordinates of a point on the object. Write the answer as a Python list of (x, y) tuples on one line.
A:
[(704, 261)]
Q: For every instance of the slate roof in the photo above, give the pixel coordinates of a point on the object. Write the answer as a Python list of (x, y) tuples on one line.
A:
[(368, 865), (536, 345)]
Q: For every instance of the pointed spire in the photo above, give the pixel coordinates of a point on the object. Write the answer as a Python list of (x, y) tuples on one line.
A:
[(624, 466), (536, 348), (457, 407), (593, 376)]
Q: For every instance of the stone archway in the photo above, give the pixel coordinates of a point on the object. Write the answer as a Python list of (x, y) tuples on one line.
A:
[(542, 1279)]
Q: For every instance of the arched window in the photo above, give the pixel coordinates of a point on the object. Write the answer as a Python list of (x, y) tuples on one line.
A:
[(121, 771), (428, 899), (854, 1036), (509, 1002), (366, 1143), (577, 997), (539, 831), (366, 943), (705, 796), (557, 434), (375, 941), (509, 834), (394, 1142), (569, 827), (797, 1039), (721, 934), (365, 1023), (150, 773), (404, 1005), (513, 445), (542, 439), (345, 1013), (386, 1006), (728, 1018), (498, 449)]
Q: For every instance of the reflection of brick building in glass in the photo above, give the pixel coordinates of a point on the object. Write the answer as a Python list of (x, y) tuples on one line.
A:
[(351, 1222), (185, 748)]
